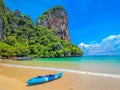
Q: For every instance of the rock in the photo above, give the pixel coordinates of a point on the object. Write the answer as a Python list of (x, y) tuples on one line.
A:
[(56, 19), (2, 6), (2, 30), (7, 10), (17, 13), (27, 18)]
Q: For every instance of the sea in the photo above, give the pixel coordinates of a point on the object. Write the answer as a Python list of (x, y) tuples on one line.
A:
[(95, 64)]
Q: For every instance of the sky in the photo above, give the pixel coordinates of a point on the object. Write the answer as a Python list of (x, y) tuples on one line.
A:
[(90, 21), (108, 46)]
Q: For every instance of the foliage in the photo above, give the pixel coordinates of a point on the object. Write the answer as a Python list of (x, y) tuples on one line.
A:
[(25, 39)]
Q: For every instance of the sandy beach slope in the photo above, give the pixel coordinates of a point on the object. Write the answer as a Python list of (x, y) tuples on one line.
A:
[(14, 78)]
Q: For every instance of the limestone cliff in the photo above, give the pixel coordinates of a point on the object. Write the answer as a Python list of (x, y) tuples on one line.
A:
[(2, 29), (23, 38), (56, 19)]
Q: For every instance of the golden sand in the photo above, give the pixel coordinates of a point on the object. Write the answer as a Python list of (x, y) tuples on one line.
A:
[(12, 78)]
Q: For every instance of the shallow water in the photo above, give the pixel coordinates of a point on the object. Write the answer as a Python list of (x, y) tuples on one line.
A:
[(99, 64)]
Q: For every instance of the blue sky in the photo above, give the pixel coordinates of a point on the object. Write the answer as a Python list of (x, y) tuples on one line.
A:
[(108, 46), (89, 20)]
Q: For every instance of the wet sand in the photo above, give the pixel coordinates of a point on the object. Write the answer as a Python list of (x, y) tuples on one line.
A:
[(14, 78)]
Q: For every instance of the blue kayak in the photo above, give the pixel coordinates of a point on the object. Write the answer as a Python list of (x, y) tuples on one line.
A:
[(43, 79)]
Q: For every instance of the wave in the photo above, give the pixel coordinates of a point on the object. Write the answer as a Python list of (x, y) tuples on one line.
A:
[(66, 70)]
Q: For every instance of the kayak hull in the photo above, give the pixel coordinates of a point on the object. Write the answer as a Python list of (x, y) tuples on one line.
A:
[(43, 79)]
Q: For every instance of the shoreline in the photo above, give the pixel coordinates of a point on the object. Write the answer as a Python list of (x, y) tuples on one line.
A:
[(66, 70), (14, 78)]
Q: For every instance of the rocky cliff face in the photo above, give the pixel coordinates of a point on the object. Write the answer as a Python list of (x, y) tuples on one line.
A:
[(56, 19), (2, 26), (2, 29), (13, 22)]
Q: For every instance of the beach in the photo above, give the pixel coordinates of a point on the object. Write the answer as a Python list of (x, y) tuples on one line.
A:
[(14, 78)]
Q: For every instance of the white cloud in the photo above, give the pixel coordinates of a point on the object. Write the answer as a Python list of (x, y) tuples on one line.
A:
[(108, 46)]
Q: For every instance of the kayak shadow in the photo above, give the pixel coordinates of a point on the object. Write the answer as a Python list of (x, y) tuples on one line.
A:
[(36, 84), (41, 83)]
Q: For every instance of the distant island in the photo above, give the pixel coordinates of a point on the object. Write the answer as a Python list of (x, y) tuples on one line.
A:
[(19, 37)]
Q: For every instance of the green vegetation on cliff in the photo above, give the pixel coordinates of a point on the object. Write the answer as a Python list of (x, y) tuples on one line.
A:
[(25, 39), (49, 11)]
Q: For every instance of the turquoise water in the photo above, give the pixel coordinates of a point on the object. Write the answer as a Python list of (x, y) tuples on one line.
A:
[(100, 64)]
